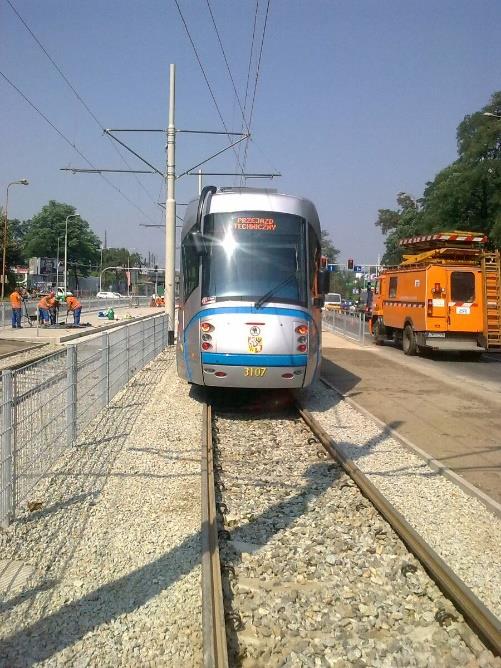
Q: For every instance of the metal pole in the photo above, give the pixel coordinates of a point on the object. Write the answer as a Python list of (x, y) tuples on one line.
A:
[(170, 211), (71, 394), (7, 450), (66, 255), (200, 184), (5, 240), (57, 265), (105, 369)]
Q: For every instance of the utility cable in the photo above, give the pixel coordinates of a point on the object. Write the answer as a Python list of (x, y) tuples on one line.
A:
[(227, 66), (257, 78), (207, 81), (73, 146), (249, 68), (75, 92)]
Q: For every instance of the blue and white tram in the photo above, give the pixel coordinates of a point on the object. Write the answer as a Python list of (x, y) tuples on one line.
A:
[(251, 290)]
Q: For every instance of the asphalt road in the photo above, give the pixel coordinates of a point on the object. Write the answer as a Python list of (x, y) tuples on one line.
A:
[(449, 407)]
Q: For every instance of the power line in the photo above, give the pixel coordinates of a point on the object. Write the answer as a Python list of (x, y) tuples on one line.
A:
[(250, 63), (206, 79), (227, 65), (257, 76), (75, 92), (73, 146)]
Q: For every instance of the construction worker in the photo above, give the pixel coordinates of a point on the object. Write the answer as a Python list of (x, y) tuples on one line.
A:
[(53, 307), (43, 310), (75, 306), (16, 304)]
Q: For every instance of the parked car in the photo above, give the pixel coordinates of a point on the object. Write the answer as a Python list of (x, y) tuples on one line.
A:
[(108, 295)]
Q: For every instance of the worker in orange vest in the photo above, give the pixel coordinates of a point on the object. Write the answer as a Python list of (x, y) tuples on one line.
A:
[(74, 306), (16, 302), (53, 307), (43, 310)]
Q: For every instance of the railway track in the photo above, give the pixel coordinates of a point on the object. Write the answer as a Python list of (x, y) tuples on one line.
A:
[(305, 563)]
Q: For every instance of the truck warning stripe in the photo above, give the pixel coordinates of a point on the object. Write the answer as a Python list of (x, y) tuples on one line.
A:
[(387, 302)]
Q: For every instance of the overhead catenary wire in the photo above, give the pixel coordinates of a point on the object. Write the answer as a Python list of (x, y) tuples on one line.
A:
[(207, 81), (258, 69), (250, 65), (75, 92), (73, 145), (227, 66)]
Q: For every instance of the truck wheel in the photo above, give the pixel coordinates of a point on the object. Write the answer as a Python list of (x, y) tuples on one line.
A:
[(409, 343), (377, 332)]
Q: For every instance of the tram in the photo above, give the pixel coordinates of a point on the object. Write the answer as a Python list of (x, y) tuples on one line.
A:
[(251, 291)]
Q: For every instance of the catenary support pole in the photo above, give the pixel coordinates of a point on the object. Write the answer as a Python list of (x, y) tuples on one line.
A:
[(170, 212)]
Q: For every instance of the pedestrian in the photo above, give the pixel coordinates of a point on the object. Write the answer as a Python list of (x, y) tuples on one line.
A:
[(16, 304), (43, 310), (75, 306), (53, 308)]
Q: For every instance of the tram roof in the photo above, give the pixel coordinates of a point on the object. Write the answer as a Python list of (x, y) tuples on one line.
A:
[(239, 198)]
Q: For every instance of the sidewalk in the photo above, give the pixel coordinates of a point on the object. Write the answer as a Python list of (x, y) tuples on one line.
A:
[(106, 570), (61, 334)]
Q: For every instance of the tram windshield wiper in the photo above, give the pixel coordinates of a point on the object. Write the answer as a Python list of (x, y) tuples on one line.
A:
[(273, 290)]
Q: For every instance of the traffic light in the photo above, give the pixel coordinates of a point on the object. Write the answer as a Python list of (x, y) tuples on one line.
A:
[(350, 263)]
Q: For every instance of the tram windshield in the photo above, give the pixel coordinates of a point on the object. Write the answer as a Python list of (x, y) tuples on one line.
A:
[(252, 254)]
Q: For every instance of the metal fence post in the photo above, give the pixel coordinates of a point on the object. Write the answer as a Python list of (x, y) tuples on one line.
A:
[(7, 457), (143, 358), (127, 350), (105, 368), (71, 394)]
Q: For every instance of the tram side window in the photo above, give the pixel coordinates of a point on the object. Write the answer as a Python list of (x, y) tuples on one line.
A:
[(462, 286), (313, 254), (393, 287), (191, 264)]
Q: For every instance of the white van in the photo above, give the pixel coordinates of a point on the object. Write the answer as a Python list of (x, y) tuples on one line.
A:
[(333, 301)]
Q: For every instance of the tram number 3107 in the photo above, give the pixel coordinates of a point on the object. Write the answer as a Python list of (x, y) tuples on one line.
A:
[(255, 371)]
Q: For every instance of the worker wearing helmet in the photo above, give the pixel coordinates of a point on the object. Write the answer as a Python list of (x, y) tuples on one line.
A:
[(43, 310), (74, 306)]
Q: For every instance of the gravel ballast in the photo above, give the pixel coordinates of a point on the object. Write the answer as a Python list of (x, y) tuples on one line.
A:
[(112, 551), (312, 575), (458, 527)]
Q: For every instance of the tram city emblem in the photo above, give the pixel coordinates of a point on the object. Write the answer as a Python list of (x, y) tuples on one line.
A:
[(255, 341)]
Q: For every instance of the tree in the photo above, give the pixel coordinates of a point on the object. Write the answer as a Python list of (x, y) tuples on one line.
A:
[(48, 226), (14, 250), (119, 257), (465, 195), (327, 247), (398, 224)]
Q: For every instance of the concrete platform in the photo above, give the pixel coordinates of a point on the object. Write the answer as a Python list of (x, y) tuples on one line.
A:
[(62, 334)]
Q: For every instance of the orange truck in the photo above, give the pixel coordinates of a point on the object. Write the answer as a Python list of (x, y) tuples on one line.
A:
[(445, 295)]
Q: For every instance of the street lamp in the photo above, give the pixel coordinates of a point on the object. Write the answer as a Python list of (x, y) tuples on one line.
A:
[(72, 215), (21, 182)]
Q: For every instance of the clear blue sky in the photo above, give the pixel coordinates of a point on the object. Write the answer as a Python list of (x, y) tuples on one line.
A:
[(356, 101)]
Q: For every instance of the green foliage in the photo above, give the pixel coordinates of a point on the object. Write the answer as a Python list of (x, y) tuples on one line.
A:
[(120, 257), (328, 248), (49, 225), (14, 250), (465, 195)]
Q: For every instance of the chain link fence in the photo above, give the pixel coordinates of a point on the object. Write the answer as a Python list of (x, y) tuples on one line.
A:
[(47, 404), (350, 325)]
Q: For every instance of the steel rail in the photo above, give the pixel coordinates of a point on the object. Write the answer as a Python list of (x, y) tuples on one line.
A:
[(481, 619), (215, 653)]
